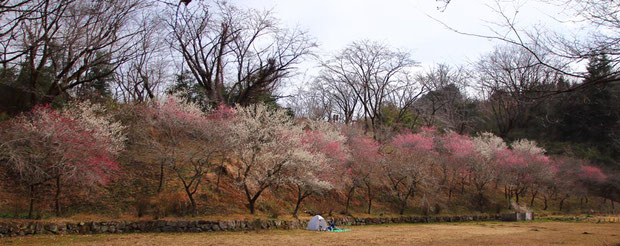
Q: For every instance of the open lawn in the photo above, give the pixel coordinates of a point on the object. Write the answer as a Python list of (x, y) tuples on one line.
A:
[(490, 233)]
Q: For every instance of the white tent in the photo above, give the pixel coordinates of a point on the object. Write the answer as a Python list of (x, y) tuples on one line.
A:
[(317, 223)]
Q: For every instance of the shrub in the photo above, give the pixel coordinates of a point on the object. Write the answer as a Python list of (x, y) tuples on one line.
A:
[(142, 206), (170, 203), (437, 209), (270, 208)]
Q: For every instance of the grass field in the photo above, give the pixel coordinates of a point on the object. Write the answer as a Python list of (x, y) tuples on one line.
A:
[(491, 233)]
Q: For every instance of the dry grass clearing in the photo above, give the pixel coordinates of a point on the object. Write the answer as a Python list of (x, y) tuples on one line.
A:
[(536, 233)]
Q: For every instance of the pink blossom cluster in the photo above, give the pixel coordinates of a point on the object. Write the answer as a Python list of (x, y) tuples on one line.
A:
[(63, 144)]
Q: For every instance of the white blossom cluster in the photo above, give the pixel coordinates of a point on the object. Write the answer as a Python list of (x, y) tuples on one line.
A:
[(263, 141), (100, 123), (487, 144), (527, 146)]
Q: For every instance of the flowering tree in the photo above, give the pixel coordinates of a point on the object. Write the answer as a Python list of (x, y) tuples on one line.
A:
[(264, 143), (541, 172), (536, 166), (592, 174), (569, 179), (521, 168), (408, 164), (220, 117), (589, 176), (170, 122), (313, 172), (459, 159), (186, 140), (76, 145), (548, 185), (488, 151), (363, 166)]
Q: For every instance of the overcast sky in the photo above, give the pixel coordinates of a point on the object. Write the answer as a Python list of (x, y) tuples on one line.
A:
[(403, 24)]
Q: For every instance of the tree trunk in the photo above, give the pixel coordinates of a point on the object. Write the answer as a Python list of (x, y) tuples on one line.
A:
[(349, 195), (545, 200), (57, 197), (368, 190), (251, 206), (190, 195), (194, 209), (217, 185), (534, 193), (480, 199), (252, 199), (161, 178), (517, 196), (219, 176), (445, 175), (403, 205), (562, 203), (297, 205), (32, 198), (300, 197), (509, 198), (220, 171)]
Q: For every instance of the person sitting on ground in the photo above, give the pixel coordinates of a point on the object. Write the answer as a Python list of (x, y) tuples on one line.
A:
[(332, 226)]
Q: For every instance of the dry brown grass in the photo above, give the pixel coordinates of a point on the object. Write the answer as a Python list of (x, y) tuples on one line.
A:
[(536, 233)]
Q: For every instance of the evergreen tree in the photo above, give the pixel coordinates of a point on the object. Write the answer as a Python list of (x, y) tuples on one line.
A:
[(98, 79), (591, 116)]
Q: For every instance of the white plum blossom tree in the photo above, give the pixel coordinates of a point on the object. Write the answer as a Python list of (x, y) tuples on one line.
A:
[(264, 143), (314, 171)]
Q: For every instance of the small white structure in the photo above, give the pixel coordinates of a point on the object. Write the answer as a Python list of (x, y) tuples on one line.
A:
[(317, 223)]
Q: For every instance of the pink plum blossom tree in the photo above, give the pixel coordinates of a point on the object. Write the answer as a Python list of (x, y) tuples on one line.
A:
[(525, 165), (363, 167), (76, 145), (187, 140), (458, 159), (408, 164)]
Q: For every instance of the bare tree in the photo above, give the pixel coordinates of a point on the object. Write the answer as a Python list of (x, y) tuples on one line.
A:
[(598, 17), (342, 99), (371, 71), (445, 102), (64, 41), (144, 74), (236, 55), (314, 103), (13, 14), (404, 98), (511, 78)]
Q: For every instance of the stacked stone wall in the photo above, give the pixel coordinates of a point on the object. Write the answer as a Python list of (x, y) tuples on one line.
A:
[(24, 228)]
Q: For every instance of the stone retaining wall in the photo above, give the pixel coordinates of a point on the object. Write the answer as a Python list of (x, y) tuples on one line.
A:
[(11, 229), (518, 216), (594, 219)]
